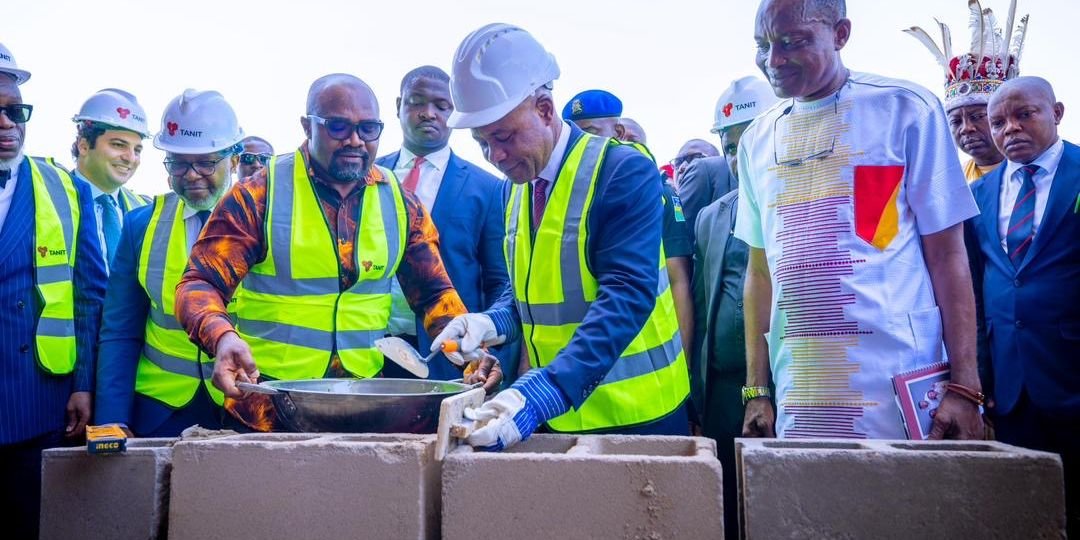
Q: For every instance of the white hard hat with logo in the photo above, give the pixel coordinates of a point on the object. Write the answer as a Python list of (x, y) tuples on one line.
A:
[(743, 101), (495, 69), (8, 65), (116, 108), (198, 122)]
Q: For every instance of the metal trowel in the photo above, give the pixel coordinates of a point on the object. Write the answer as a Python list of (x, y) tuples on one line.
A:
[(401, 353)]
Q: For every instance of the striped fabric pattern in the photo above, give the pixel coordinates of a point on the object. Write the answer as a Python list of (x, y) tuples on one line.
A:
[(31, 402)]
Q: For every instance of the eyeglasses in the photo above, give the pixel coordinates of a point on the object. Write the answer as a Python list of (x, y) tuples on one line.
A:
[(248, 158), (18, 113), (341, 129), (796, 162), (180, 168), (686, 159)]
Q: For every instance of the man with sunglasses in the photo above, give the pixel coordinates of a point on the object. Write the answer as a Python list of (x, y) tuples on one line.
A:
[(852, 201), (315, 239), (150, 376), (465, 203), (110, 126), (52, 281), (256, 154), (691, 151)]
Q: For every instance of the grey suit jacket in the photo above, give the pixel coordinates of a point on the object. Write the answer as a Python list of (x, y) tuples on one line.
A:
[(719, 270), (704, 181)]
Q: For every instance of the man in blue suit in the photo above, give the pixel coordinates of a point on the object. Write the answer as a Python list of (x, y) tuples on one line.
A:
[(1026, 259), (466, 204), (589, 292), (52, 280), (151, 377)]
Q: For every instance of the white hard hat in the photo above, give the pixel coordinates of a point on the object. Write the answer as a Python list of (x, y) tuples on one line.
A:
[(198, 122), (743, 101), (494, 70), (116, 108), (8, 65)]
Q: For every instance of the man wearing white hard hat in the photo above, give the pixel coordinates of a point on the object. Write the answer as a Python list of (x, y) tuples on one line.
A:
[(111, 126), (316, 237), (718, 367), (150, 376), (52, 281), (589, 293)]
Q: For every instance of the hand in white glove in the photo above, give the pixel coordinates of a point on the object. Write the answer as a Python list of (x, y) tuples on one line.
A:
[(471, 331), (515, 413)]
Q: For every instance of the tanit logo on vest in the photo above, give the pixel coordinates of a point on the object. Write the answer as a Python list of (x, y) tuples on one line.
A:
[(45, 251)]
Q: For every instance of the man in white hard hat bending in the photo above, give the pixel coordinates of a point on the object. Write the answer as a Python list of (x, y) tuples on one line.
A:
[(150, 376), (52, 280), (589, 292), (111, 126)]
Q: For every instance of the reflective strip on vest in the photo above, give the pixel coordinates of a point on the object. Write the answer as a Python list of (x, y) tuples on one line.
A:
[(56, 228), (131, 200), (291, 309), (170, 367), (554, 289)]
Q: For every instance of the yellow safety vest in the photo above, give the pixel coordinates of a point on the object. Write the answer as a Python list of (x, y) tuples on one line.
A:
[(56, 228), (170, 366), (131, 200), (291, 309), (554, 288)]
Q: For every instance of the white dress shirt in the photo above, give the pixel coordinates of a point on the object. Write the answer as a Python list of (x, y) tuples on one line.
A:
[(551, 170), (193, 226), (431, 173), (1048, 163), (95, 192), (8, 191)]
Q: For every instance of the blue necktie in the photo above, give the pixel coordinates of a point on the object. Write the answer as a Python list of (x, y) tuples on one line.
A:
[(110, 224), (1022, 222)]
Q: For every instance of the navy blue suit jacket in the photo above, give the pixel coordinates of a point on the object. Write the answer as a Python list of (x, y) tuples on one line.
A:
[(469, 213), (31, 401), (1030, 314)]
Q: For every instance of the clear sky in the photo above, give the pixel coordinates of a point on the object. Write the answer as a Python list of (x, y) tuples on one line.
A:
[(667, 60)]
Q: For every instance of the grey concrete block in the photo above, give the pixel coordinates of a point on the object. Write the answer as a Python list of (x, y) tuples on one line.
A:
[(115, 496), (897, 489), (598, 486), (305, 486)]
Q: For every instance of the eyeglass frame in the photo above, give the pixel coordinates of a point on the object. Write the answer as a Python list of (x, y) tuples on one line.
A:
[(798, 162), (6, 110), (194, 165), (261, 157), (354, 125)]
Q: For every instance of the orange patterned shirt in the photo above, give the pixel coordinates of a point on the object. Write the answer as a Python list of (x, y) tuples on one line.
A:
[(233, 241)]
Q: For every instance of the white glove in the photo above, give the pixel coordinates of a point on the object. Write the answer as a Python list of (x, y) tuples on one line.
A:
[(471, 331), (500, 431), (515, 413)]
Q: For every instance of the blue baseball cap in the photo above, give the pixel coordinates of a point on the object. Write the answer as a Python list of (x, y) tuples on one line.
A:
[(592, 104)]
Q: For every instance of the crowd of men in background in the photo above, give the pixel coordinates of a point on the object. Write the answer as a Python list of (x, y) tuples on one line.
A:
[(773, 286)]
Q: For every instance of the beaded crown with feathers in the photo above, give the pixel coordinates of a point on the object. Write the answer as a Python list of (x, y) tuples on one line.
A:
[(971, 77)]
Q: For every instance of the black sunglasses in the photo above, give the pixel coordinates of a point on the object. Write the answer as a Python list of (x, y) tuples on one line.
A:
[(18, 113), (341, 129), (248, 158)]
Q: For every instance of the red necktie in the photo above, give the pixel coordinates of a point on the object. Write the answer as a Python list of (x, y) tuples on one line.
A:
[(413, 178), (540, 198)]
